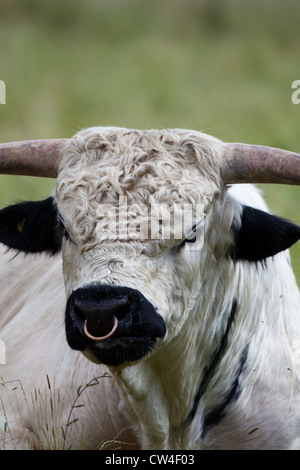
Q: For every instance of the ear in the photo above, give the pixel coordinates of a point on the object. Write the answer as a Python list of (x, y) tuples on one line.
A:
[(30, 227), (261, 235)]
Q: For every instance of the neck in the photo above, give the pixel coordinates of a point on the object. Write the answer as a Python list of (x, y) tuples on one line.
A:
[(182, 393)]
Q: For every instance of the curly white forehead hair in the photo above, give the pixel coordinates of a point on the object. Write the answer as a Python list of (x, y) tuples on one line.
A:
[(154, 167)]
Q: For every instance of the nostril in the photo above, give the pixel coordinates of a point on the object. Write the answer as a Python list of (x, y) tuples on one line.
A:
[(100, 315)]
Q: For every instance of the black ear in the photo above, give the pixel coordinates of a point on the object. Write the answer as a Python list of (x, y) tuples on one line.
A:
[(261, 235), (30, 227)]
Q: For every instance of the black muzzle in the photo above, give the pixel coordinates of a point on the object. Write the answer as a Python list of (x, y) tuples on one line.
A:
[(118, 324)]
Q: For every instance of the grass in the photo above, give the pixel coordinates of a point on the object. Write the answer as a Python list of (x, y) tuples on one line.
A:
[(45, 411), (222, 66)]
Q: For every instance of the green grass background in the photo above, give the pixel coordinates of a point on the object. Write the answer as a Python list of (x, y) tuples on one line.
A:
[(225, 67)]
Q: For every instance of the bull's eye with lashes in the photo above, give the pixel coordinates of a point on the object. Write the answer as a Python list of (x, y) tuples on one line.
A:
[(66, 235), (190, 239), (63, 230)]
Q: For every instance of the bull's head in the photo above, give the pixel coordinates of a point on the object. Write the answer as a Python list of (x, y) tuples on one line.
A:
[(131, 280)]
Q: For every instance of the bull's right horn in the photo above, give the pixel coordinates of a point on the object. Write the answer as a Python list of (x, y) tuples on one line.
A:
[(32, 157), (245, 163)]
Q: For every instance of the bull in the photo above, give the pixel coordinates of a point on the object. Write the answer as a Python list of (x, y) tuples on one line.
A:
[(188, 327)]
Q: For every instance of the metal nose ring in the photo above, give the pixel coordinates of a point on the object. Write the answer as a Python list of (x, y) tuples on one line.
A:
[(101, 338)]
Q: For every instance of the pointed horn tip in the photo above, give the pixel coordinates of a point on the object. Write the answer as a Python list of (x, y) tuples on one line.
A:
[(32, 157), (247, 163)]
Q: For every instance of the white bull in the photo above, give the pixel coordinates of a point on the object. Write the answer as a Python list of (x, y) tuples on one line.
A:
[(199, 333)]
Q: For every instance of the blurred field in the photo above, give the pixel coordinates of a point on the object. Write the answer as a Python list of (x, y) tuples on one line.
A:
[(225, 67)]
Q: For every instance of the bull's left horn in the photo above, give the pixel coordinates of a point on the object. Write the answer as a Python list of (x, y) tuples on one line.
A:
[(32, 157), (244, 163)]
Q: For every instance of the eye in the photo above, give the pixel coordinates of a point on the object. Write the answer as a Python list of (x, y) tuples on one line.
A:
[(186, 240), (63, 231), (66, 235)]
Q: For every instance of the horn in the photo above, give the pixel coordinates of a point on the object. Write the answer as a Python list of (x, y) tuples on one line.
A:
[(245, 163), (32, 157)]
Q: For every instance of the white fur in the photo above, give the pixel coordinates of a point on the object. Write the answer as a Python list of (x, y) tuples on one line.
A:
[(148, 402)]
